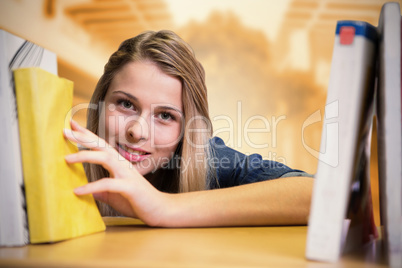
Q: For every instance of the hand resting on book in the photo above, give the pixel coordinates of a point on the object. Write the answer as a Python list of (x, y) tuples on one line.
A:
[(126, 190), (284, 201)]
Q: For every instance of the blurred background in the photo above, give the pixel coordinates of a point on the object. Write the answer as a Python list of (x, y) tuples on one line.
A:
[(267, 62)]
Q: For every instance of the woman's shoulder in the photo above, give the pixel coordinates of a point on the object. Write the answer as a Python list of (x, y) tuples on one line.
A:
[(235, 168)]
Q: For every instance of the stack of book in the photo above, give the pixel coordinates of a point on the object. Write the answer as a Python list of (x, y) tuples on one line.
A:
[(37, 203), (365, 83)]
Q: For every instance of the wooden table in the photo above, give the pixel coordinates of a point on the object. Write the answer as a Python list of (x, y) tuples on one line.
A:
[(130, 243)]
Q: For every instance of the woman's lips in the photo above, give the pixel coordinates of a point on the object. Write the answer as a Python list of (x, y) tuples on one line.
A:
[(132, 154)]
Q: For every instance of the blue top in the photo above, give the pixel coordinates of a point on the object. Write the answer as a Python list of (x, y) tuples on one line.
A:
[(234, 168)]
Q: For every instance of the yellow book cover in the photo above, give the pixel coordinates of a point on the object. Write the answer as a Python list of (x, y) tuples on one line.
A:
[(55, 213)]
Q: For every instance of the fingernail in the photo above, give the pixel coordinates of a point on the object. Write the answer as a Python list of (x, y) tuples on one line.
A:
[(68, 157), (78, 190), (67, 131), (75, 123)]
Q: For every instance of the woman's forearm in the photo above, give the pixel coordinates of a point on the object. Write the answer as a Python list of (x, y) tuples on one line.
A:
[(284, 201)]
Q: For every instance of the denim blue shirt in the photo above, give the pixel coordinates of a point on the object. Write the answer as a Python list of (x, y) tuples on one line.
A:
[(234, 168)]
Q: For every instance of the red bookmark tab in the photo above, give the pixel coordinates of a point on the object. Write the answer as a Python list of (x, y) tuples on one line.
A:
[(347, 34)]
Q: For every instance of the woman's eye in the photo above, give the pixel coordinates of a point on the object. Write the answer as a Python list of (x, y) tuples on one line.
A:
[(126, 104), (165, 116)]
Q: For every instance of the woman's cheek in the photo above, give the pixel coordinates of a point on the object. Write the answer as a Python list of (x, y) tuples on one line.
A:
[(112, 127), (167, 136)]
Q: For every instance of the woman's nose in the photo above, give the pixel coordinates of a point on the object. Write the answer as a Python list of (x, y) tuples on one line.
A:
[(137, 130)]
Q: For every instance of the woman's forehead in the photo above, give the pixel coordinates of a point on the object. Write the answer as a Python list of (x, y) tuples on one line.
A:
[(146, 82)]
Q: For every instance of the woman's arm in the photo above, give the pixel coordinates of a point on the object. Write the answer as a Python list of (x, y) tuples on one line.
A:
[(284, 201)]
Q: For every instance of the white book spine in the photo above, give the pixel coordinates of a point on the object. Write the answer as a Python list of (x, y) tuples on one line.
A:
[(351, 69), (15, 52), (390, 131)]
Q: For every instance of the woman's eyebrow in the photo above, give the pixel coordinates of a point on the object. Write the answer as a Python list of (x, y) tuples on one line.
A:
[(165, 107), (161, 107), (125, 93)]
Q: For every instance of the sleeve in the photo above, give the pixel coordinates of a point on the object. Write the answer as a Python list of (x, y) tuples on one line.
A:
[(233, 168)]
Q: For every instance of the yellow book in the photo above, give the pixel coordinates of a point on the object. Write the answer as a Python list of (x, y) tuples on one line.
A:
[(55, 213)]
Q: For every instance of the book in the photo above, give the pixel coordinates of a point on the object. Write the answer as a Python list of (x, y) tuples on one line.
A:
[(389, 122), (55, 213), (341, 208), (15, 52)]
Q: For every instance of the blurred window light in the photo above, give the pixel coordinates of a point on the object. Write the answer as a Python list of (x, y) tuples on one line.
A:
[(299, 54)]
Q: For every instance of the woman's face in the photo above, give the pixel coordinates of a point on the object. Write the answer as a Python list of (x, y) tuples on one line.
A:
[(143, 115)]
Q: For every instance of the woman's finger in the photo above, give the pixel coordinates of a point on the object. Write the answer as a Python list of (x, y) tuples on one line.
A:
[(86, 138), (110, 161), (109, 185), (101, 154), (103, 185), (88, 141), (85, 132), (109, 192), (75, 126)]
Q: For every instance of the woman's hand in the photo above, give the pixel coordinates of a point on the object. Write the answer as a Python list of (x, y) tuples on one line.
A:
[(126, 190), (275, 202)]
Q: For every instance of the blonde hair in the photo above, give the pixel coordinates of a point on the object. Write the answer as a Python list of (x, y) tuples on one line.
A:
[(175, 58)]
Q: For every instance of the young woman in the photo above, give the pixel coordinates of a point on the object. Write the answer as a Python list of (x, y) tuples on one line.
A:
[(151, 153)]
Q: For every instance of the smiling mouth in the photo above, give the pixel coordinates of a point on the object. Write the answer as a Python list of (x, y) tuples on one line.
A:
[(131, 151)]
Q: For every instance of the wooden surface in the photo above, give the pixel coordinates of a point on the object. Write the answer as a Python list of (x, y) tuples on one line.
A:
[(129, 243)]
